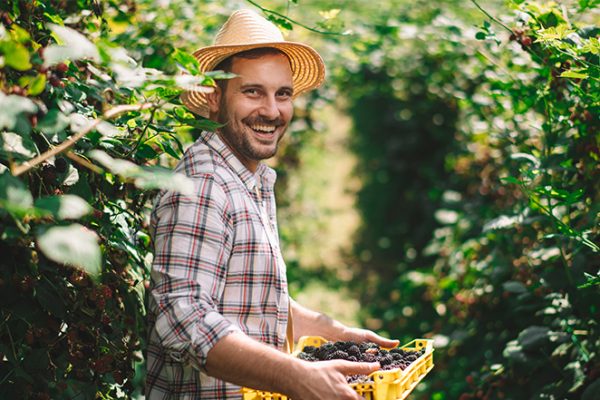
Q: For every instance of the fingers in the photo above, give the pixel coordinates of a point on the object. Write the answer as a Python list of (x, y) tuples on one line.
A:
[(356, 368), (380, 340)]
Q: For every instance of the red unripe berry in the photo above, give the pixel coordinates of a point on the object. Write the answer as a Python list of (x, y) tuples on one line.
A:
[(55, 81), (526, 41), (106, 291), (18, 90), (61, 67), (29, 337)]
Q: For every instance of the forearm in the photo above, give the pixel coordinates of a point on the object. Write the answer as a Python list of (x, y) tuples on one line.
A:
[(311, 323), (238, 359)]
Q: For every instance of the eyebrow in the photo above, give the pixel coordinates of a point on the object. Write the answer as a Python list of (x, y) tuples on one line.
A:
[(257, 85)]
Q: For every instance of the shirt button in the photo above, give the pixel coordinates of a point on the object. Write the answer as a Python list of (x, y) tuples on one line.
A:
[(176, 356)]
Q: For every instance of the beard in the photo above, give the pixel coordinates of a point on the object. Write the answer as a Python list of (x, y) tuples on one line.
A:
[(235, 135)]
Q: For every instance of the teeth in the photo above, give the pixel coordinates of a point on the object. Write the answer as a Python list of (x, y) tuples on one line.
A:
[(263, 128)]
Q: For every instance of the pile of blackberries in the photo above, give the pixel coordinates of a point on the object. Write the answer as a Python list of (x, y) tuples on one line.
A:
[(361, 352)]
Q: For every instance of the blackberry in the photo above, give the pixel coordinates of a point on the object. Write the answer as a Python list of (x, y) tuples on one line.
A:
[(367, 345), (322, 352), (309, 349), (354, 351), (344, 345), (402, 352), (337, 355), (306, 357), (386, 360), (368, 357)]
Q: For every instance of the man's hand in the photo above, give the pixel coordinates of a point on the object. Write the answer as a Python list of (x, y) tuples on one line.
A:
[(327, 380), (365, 335)]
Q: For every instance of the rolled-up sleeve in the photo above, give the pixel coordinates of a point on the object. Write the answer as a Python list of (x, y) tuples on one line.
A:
[(192, 241)]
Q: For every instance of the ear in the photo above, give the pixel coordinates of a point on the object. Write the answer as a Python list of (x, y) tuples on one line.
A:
[(213, 100)]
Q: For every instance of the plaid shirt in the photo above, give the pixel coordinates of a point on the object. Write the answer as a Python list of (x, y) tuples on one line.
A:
[(217, 269)]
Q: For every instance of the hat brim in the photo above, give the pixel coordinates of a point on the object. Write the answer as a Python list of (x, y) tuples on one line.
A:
[(308, 69)]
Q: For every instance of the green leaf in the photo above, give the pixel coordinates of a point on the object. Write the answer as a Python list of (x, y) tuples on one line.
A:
[(34, 84), (145, 151), (514, 352), (591, 280), (53, 122), (145, 177), (281, 22), (16, 55), (72, 245), (480, 35), (17, 146), (12, 108), (511, 179), (592, 392), (514, 287), (534, 337), (50, 299), (67, 206), (186, 61), (573, 74), (72, 46), (54, 18), (14, 195)]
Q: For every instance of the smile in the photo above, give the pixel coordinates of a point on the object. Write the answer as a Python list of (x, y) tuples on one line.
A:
[(263, 128)]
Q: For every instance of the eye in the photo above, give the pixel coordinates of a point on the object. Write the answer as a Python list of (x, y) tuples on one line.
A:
[(251, 91), (284, 94)]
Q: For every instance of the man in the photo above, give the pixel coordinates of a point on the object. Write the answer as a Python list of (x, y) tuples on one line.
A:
[(220, 313)]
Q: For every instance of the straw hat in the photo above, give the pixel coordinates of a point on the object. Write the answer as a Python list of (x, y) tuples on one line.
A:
[(246, 30)]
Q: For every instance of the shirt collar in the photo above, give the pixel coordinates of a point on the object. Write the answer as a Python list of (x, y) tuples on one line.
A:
[(265, 175)]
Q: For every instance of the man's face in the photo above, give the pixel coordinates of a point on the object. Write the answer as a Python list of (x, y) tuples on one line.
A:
[(256, 107)]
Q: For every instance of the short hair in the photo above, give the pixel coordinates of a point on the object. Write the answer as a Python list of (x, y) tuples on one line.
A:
[(251, 54)]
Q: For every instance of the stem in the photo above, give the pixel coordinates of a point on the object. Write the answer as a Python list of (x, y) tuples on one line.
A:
[(82, 161), (141, 138), (490, 16), (113, 112), (269, 11)]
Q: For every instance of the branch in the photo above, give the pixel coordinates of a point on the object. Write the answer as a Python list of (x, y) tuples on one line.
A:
[(490, 16), (269, 11), (113, 112)]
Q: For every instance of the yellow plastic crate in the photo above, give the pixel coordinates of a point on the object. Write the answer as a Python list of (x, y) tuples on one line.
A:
[(394, 384)]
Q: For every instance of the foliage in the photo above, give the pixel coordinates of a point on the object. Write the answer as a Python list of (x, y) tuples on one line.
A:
[(84, 127), (478, 157), (480, 202)]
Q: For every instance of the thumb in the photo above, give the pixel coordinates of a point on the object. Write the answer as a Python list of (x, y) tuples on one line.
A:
[(357, 368)]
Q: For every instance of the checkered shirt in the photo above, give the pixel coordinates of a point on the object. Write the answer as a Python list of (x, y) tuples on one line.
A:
[(217, 269)]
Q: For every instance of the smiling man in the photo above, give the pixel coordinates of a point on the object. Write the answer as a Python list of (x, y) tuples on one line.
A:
[(220, 315)]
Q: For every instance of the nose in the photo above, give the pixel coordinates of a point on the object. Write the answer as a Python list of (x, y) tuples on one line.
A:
[(269, 109)]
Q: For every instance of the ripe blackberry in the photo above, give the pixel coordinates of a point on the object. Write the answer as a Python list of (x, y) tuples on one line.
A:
[(367, 345), (306, 356), (341, 345), (324, 349), (398, 351), (337, 355), (368, 357), (386, 360), (309, 349), (354, 351)]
